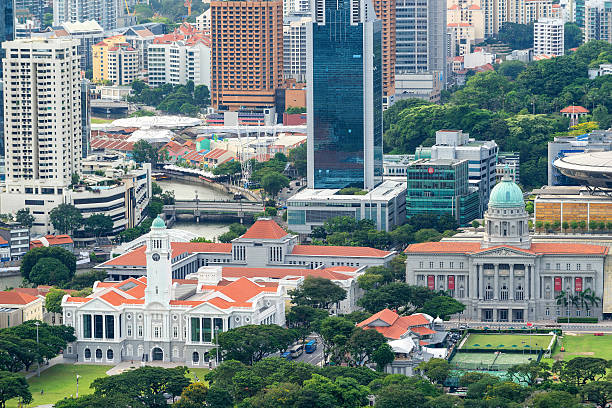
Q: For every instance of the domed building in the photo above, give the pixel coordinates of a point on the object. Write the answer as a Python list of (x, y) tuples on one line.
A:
[(505, 277)]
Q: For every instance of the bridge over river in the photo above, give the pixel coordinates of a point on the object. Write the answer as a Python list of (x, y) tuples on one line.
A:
[(199, 209)]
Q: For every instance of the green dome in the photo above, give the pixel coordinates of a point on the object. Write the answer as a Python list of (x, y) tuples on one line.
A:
[(506, 194), (158, 223)]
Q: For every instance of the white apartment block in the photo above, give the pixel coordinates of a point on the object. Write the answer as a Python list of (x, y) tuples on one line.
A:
[(497, 12), (548, 37), (110, 14), (177, 62), (295, 6), (598, 20), (294, 46), (203, 21), (42, 124), (122, 60)]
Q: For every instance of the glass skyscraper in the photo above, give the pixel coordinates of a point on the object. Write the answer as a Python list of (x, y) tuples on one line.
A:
[(344, 75)]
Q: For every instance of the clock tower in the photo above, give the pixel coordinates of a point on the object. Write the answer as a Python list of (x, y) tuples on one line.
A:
[(159, 264)]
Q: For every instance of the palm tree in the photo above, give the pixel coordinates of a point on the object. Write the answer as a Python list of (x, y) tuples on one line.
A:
[(590, 298), (562, 299)]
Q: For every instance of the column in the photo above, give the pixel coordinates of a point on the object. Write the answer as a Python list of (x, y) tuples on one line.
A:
[(481, 282), (511, 288), (496, 283)]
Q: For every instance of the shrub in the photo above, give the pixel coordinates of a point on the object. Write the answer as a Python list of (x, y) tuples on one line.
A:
[(577, 320)]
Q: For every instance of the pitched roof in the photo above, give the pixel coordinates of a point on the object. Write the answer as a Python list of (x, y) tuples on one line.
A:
[(345, 251), (137, 257), (422, 331), (396, 326), (265, 229), (16, 298), (574, 109), (281, 273)]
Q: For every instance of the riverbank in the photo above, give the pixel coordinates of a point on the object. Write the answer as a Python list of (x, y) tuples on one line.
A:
[(228, 189)]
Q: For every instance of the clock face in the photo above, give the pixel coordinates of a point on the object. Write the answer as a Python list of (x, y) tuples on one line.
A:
[(155, 257)]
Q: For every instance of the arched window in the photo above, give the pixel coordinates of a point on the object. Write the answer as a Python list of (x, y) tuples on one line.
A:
[(98, 353), (519, 295), (195, 357), (488, 293), (87, 353), (109, 354), (504, 293)]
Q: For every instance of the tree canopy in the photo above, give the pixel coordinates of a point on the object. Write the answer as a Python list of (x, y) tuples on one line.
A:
[(65, 218), (317, 292)]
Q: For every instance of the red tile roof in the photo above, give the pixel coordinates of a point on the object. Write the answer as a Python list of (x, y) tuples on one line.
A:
[(265, 229), (281, 273), (344, 251), (16, 298), (138, 258), (422, 331), (574, 109), (396, 326)]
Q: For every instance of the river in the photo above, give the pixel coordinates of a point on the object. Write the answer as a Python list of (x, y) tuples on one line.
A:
[(187, 191)]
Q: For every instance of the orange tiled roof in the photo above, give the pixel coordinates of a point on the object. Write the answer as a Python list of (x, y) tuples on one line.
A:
[(536, 248), (347, 251), (138, 258), (422, 331), (265, 229), (396, 326), (574, 109), (280, 273), (16, 298)]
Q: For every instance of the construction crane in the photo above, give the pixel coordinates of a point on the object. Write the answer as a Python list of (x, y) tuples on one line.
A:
[(127, 9), (188, 4)]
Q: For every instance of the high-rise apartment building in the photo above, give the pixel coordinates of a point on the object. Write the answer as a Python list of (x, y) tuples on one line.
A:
[(247, 53), (344, 104), (35, 8), (598, 20), (110, 14), (115, 60), (42, 112), (295, 6), (385, 12), (7, 25), (421, 39), (465, 22), (88, 33), (548, 37), (497, 12), (294, 45)]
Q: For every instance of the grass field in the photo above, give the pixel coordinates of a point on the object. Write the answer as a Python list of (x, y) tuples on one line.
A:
[(585, 345), (480, 361), (99, 121), (59, 381), (507, 342)]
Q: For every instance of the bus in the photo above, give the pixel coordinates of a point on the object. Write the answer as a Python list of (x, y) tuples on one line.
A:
[(296, 351), (311, 346)]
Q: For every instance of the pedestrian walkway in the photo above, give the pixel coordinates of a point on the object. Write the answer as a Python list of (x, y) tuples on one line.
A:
[(132, 365)]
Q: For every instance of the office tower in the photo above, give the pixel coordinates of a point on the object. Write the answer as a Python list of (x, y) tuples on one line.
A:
[(598, 20), (344, 76), (88, 33), (7, 25), (42, 113), (421, 39), (385, 12), (110, 14), (247, 53), (548, 37), (294, 45)]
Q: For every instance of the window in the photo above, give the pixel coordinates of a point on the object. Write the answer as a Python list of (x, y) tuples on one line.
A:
[(588, 312), (578, 313), (547, 312), (461, 265), (157, 332), (488, 293), (431, 264), (87, 353), (588, 267), (109, 327), (206, 329), (195, 357), (109, 354), (175, 332), (504, 293), (87, 327), (547, 265), (129, 330), (98, 354), (451, 265), (139, 331), (441, 265), (577, 267), (519, 294), (568, 267), (98, 332), (195, 329), (420, 264), (558, 312), (558, 266)]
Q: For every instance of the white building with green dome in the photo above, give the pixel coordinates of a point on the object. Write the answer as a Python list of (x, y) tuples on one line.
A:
[(505, 277)]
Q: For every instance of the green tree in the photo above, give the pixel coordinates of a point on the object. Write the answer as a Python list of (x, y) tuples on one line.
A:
[(201, 96), (580, 370), (251, 343), (369, 281), (50, 271), (363, 344), (397, 396), (427, 235), (511, 69), (344, 392), (399, 296), (13, 386), (273, 182), (517, 36), (383, 356), (318, 293), (32, 257), (281, 395), (189, 109), (598, 392), (436, 369), (303, 318), (335, 332), (230, 168), (298, 158), (98, 224), (530, 372), (53, 300), (145, 152), (193, 396), (572, 36), (24, 218), (95, 401), (65, 218), (443, 306), (553, 399)]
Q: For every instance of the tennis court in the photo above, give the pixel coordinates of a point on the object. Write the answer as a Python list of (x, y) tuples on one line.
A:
[(489, 361), (516, 342)]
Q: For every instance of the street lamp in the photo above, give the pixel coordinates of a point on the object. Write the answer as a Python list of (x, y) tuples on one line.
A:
[(77, 378), (37, 323)]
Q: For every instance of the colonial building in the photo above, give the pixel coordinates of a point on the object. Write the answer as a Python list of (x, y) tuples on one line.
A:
[(505, 277), (160, 318)]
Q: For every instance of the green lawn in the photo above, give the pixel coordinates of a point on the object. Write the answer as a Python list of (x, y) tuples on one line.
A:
[(585, 345), (59, 381), (507, 341), (99, 121)]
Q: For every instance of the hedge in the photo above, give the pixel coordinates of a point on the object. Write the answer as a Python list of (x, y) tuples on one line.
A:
[(577, 320)]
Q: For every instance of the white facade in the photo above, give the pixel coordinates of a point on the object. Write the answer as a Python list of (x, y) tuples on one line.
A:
[(203, 21), (295, 6), (548, 37), (176, 63), (294, 46), (105, 12), (42, 124), (164, 319), (88, 33), (598, 20)]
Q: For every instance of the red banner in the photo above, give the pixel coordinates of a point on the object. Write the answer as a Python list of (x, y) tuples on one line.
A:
[(558, 285), (451, 282), (431, 282), (578, 285)]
